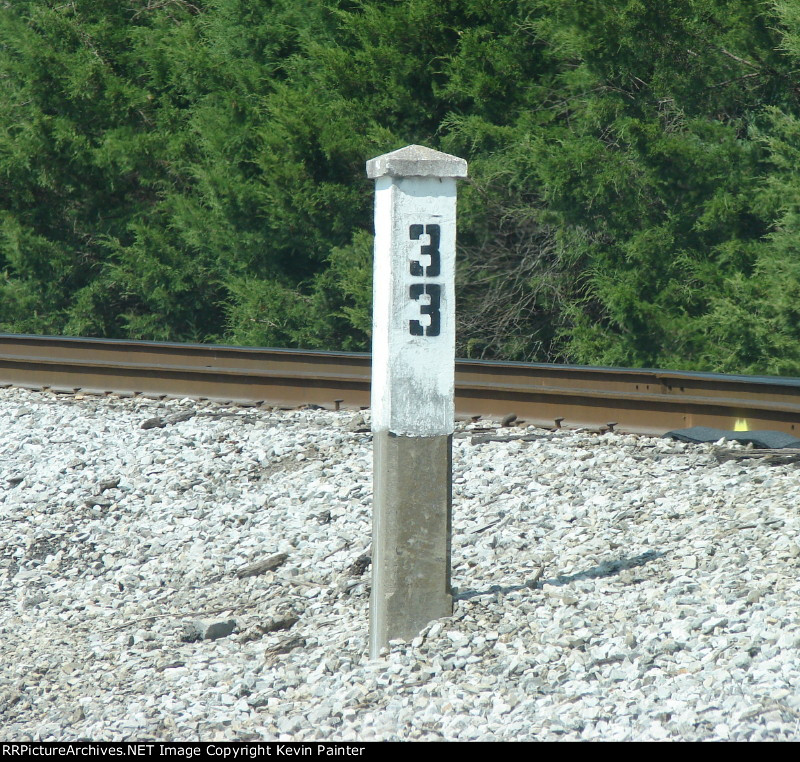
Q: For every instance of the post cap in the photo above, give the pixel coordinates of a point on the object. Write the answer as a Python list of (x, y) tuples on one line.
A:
[(416, 161)]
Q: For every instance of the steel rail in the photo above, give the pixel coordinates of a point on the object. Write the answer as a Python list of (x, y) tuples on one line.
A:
[(636, 400)]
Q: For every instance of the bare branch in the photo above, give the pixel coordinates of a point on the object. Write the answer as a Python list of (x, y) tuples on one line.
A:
[(740, 60)]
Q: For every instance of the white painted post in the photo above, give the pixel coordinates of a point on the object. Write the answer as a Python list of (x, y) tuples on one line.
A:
[(413, 367)]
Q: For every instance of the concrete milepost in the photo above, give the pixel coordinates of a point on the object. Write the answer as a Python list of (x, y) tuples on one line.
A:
[(413, 370)]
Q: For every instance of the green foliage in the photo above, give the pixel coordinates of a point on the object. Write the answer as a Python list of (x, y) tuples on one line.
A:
[(653, 179), (334, 310), (195, 171)]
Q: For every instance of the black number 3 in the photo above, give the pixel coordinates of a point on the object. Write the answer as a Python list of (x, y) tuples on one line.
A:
[(434, 291), (430, 249)]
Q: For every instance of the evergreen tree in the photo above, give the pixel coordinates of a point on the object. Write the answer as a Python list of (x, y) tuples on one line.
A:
[(194, 170), (652, 174)]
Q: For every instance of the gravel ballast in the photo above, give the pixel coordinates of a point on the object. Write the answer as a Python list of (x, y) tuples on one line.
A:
[(206, 577)]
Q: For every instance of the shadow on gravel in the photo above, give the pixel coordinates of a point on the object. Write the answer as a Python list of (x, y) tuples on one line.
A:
[(605, 569)]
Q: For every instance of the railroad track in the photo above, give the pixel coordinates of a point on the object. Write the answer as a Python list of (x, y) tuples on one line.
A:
[(635, 400)]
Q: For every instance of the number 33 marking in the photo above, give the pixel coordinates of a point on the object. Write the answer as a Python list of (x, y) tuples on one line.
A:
[(432, 290)]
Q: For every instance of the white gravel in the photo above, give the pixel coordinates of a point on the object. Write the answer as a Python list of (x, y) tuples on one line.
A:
[(667, 606)]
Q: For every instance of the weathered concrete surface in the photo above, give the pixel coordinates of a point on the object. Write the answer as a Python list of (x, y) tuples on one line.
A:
[(413, 314), (411, 535), (416, 161), (413, 376)]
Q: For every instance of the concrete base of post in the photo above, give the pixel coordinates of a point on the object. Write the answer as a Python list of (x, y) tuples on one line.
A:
[(412, 527)]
